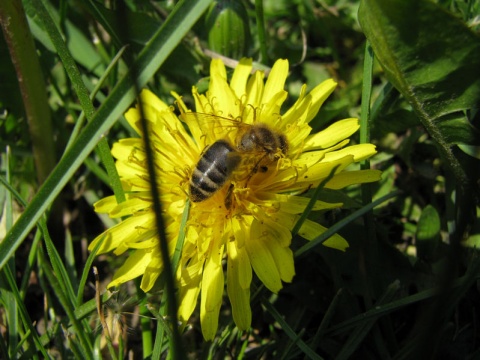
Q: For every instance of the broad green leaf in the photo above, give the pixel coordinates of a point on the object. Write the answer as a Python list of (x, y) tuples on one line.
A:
[(473, 151), (428, 232), (433, 59), (429, 224)]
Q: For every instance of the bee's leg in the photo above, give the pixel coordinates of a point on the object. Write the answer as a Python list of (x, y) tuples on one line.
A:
[(229, 197), (257, 167)]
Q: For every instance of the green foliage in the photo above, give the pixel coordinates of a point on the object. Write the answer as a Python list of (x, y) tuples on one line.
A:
[(406, 287)]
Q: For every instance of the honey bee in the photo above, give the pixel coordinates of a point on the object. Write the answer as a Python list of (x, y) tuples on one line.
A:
[(213, 170), (257, 143)]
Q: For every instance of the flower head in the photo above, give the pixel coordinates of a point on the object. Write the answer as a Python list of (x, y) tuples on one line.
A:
[(247, 217)]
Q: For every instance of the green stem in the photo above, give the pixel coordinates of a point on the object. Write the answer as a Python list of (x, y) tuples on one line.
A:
[(32, 85)]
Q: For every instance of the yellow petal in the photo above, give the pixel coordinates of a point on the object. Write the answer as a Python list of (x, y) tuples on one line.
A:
[(189, 290), (347, 178), (262, 260), (238, 230), (255, 89), (240, 77), (299, 111), (118, 236), (130, 206), (311, 158), (318, 95), (271, 109), (333, 134), (220, 94), (153, 271), (211, 298), (294, 204), (283, 257), (323, 169), (133, 267), (150, 99), (276, 80), (359, 152), (296, 135), (105, 205), (125, 148), (151, 106), (238, 293), (133, 116), (244, 269), (267, 227), (212, 285), (311, 230), (336, 241)]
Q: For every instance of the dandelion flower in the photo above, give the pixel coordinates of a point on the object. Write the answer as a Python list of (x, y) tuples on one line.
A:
[(246, 223)]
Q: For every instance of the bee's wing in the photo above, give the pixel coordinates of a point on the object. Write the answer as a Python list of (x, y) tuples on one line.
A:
[(210, 125), (233, 160)]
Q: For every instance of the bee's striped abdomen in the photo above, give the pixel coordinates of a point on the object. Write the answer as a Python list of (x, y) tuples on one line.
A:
[(211, 171)]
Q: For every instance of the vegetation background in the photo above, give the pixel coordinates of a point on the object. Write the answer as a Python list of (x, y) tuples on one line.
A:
[(408, 286)]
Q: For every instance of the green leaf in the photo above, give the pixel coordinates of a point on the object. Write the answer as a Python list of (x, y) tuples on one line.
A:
[(473, 151), (428, 232), (433, 59), (429, 224)]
